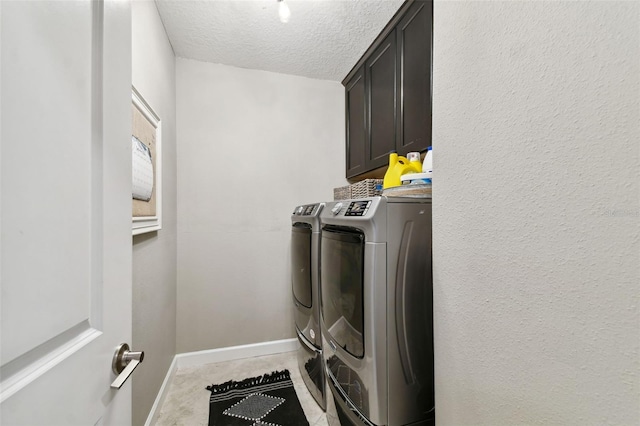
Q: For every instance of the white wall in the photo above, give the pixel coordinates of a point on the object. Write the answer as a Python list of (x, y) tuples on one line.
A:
[(154, 254), (253, 145), (536, 212)]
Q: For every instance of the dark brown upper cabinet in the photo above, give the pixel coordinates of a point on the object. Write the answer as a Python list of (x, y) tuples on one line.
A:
[(380, 78), (414, 85), (356, 127), (388, 92)]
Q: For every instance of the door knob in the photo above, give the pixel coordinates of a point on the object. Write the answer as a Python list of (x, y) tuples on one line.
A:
[(123, 364)]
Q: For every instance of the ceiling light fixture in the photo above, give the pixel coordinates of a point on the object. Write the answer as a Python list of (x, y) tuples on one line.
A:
[(283, 11)]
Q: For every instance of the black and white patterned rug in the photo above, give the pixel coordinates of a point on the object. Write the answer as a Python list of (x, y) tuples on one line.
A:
[(267, 400)]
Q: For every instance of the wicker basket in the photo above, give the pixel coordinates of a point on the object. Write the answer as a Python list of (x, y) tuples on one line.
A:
[(366, 188), (342, 193)]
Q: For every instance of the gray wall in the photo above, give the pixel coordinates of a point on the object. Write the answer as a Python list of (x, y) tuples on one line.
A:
[(154, 254), (536, 213), (253, 145)]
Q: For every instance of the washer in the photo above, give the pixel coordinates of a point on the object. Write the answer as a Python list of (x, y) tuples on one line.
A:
[(377, 311), (305, 270)]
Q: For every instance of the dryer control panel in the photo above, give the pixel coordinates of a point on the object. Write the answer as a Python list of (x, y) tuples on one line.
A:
[(307, 210)]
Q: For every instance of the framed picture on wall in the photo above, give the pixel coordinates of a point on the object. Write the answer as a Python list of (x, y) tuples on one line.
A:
[(146, 160)]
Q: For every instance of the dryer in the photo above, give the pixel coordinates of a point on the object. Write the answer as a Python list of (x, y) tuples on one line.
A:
[(377, 311), (305, 270)]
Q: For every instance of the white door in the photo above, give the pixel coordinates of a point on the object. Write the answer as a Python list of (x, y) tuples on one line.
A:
[(65, 255)]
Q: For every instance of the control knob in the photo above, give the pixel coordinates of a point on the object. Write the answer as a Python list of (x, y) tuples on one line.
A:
[(336, 208)]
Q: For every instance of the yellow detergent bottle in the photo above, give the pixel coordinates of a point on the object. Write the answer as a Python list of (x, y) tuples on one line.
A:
[(398, 166)]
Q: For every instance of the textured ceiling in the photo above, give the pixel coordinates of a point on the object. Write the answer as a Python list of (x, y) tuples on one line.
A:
[(323, 39)]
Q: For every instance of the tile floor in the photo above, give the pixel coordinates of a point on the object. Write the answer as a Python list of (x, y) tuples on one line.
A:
[(187, 400)]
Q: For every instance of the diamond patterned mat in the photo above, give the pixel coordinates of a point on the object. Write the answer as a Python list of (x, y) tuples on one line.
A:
[(267, 400)]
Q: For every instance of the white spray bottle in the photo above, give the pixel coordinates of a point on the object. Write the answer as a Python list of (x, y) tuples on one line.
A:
[(427, 164)]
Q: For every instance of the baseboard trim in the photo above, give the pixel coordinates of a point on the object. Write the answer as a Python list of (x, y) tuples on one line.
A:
[(194, 359), (152, 418)]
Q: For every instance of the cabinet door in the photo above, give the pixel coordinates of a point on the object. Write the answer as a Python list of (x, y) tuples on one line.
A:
[(356, 124), (414, 86), (380, 71)]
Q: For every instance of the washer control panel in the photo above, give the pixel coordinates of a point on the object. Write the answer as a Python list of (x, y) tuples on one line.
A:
[(358, 208)]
